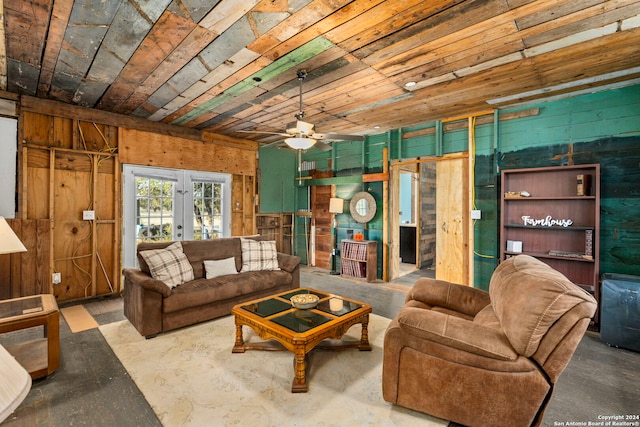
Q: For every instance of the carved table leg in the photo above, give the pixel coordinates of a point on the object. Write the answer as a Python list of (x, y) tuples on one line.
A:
[(239, 346), (364, 340), (300, 368)]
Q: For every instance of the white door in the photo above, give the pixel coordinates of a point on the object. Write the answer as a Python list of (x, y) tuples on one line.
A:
[(171, 204)]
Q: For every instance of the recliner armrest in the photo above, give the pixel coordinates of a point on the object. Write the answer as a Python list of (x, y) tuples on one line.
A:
[(139, 278), (455, 332), (460, 298)]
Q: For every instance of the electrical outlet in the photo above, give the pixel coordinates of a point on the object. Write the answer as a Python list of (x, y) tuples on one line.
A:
[(476, 214), (88, 215), (56, 278)]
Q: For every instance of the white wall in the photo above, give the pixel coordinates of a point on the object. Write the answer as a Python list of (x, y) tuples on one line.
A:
[(8, 150)]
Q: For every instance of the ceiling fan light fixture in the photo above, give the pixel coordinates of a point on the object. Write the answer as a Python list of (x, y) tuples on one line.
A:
[(300, 143)]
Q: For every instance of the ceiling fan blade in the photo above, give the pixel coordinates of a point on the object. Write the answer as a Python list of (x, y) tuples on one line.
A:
[(264, 132), (322, 146), (337, 137), (279, 143)]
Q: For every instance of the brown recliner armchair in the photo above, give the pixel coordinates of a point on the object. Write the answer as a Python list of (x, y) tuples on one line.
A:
[(485, 358)]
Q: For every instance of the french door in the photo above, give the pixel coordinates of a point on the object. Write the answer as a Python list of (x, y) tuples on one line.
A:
[(170, 204)]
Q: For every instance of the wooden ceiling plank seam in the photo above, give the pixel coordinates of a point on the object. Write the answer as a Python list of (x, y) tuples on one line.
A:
[(589, 18), (25, 30), (443, 68), (502, 32), (525, 33), (29, 23), (372, 82), (226, 13), (297, 30), (130, 25), (84, 37), (442, 26), (220, 88), (227, 26), (281, 65), (59, 20), (554, 14), (166, 34), (425, 42), (313, 66), (197, 40), (550, 63), (372, 17), (320, 73), (344, 84), (237, 62)]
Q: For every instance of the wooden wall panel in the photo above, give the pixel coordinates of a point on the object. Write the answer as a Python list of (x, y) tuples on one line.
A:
[(151, 149), (71, 164), (36, 128), (37, 192), (237, 213), (27, 273)]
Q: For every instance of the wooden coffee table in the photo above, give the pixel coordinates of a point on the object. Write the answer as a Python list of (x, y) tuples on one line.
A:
[(300, 331), (40, 356)]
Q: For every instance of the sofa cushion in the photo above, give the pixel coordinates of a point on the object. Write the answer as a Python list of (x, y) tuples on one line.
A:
[(169, 265), (528, 297), (199, 251), (259, 255), (220, 267), (204, 291)]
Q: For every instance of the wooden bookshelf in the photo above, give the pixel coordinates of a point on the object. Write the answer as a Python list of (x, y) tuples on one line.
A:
[(553, 213), (359, 259)]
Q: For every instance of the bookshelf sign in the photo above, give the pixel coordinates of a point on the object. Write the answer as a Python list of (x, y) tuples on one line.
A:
[(547, 221)]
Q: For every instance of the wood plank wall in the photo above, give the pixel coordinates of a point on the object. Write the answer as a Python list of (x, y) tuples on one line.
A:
[(27, 273), (69, 160)]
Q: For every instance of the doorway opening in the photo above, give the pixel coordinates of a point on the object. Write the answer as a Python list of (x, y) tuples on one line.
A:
[(428, 216)]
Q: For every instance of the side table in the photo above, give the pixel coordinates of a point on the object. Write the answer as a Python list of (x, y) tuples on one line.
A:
[(40, 356)]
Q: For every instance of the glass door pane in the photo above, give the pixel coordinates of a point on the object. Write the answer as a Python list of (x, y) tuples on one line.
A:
[(155, 209), (207, 210)]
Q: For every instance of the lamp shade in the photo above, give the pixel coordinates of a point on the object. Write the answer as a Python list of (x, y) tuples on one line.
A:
[(9, 242), (336, 205), (300, 143)]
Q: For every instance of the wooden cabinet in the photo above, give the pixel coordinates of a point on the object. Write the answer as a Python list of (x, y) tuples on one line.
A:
[(359, 259), (279, 227), (553, 214)]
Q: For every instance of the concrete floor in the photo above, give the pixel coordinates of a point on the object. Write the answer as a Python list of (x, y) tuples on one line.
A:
[(91, 388)]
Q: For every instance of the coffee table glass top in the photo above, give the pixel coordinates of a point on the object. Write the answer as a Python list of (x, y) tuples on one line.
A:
[(267, 307), (299, 320), (19, 307)]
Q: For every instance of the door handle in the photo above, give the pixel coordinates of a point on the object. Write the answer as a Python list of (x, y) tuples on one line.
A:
[(444, 227)]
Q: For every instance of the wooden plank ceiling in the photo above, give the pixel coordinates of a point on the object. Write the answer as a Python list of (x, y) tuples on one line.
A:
[(230, 65)]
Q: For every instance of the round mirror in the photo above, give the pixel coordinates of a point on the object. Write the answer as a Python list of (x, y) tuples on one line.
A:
[(363, 207)]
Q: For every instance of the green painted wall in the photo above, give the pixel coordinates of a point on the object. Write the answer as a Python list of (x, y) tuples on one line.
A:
[(596, 128)]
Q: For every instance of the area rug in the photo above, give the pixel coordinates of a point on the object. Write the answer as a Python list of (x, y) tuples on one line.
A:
[(191, 378)]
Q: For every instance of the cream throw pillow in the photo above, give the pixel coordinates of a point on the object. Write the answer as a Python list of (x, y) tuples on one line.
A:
[(169, 265), (220, 267), (259, 255)]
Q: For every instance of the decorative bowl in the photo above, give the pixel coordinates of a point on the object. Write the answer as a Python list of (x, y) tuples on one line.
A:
[(304, 301)]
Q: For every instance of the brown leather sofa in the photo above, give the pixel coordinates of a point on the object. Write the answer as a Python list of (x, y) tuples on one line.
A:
[(153, 307), (485, 359)]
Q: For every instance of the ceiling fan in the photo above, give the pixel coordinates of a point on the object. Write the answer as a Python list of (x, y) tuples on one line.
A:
[(301, 136)]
